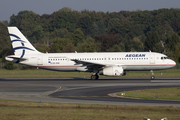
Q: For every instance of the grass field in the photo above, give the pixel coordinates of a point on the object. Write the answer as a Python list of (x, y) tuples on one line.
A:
[(19, 110), (39, 73), (160, 93)]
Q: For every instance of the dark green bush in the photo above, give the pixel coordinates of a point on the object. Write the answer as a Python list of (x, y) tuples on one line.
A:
[(10, 66)]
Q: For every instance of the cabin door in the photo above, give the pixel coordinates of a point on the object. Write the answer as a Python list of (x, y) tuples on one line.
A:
[(40, 60), (152, 59)]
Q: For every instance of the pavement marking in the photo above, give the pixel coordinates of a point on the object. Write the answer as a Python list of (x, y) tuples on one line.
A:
[(52, 92), (57, 89), (82, 96)]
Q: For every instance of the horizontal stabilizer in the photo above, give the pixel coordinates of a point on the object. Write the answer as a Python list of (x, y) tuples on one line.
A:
[(14, 58)]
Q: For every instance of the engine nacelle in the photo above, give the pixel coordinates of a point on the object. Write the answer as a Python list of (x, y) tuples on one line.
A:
[(113, 71)]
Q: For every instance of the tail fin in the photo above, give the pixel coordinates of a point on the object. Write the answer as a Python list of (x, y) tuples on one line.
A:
[(20, 44)]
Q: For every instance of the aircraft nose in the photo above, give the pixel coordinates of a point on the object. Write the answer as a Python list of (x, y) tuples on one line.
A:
[(173, 63)]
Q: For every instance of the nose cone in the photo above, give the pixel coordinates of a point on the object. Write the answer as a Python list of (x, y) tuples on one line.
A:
[(172, 63)]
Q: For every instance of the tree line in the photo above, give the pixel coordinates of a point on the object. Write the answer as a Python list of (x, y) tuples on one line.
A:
[(68, 30)]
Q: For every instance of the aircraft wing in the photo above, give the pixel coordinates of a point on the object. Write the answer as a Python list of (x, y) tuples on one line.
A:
[(89, 64)]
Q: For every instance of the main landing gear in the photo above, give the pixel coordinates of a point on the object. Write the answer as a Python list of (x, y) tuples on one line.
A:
[(95, 76), (152, 75)]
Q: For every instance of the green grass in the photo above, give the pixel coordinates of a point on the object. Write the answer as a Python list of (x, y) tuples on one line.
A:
[(160, 73), (20, 110), (161, 93), (39, 73)]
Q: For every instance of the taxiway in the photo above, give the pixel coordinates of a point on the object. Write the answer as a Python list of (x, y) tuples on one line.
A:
[(83, 91)]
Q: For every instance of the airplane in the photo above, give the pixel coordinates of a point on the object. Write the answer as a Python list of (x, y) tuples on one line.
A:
[(103, 63)]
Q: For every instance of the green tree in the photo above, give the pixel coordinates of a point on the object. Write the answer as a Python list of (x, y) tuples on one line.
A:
[(66, 9), (137, 44), (86, 24), (64, 19), (114, 25), (58, 44), (115, 48), (10, 66), (108, 40), (173, 41), (151, 39), (26, 21), (69, 48), (77, 36), (89, 45), (38, 32), (98, 28), (4, 38)]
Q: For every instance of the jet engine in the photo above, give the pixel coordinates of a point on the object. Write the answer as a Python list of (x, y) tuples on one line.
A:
[(113, 71)]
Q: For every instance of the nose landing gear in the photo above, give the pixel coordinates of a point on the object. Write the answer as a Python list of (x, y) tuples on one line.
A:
[(152, 75)]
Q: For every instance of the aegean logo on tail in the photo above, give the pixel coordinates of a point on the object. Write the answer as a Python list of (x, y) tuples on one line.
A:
[(20, 47)]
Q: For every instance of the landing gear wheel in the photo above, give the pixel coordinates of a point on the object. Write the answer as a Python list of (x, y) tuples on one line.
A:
[(152, 77), (94, 77)]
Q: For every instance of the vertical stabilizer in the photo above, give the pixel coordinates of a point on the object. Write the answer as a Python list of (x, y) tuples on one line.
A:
[(20, 44)]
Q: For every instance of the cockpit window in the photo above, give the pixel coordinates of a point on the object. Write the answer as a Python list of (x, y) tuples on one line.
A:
[(163, 58)]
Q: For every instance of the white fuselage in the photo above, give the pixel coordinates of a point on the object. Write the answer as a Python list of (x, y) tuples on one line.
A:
[(129, 61)]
